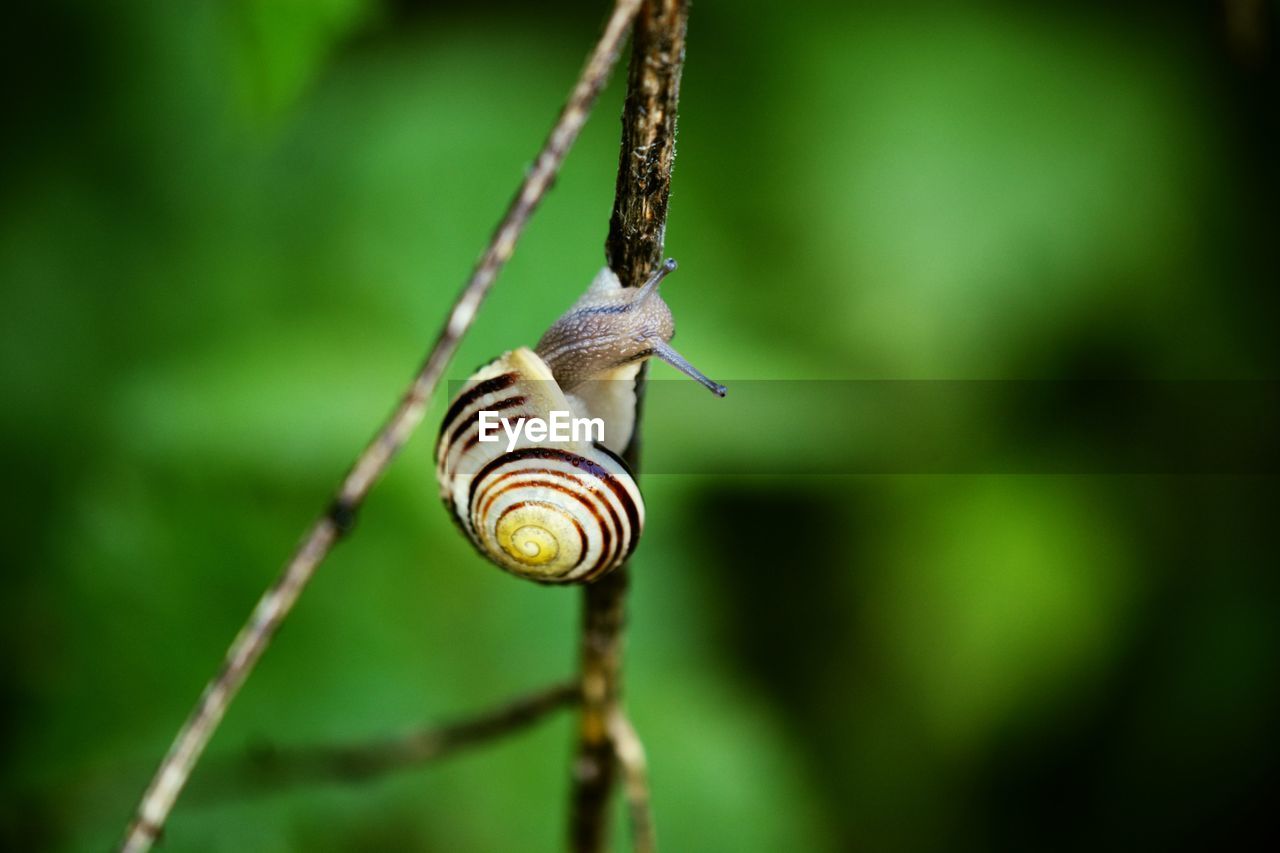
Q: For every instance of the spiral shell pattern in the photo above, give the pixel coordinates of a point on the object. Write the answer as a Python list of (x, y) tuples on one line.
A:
[(559, 512)]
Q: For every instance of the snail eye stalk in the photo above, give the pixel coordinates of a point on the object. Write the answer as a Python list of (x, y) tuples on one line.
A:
[(667, 353)]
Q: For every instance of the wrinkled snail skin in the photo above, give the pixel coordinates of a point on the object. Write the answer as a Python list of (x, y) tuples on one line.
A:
[(568, 511)]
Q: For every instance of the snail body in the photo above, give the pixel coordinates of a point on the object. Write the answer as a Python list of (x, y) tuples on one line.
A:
[(559, 511)]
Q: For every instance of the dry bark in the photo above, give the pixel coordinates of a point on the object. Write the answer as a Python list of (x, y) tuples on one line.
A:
[(633, 248)]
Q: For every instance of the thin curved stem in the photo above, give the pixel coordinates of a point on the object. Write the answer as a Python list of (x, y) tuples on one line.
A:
[(273, 769), (635, 780), (280, 597)]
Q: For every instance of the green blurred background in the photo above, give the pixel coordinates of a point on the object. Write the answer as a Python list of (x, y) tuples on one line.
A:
[(230, 229)]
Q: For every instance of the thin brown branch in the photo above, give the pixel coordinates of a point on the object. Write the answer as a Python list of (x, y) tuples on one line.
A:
[(278, 600), (634, 246), (635, 780), (272, 769)]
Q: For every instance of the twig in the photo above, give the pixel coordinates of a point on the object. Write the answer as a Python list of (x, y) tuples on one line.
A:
[(279, 599), (635, 780), (276, 768), (633, 248)]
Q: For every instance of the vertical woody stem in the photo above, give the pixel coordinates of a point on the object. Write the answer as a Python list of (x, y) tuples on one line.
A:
[(639, 221), (633, 249), (595, 768)]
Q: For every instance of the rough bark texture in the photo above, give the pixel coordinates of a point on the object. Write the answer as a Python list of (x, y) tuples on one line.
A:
[(638, 225), (633, 249)]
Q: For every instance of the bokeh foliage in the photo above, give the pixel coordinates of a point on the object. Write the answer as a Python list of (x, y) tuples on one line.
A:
[(230, 230)]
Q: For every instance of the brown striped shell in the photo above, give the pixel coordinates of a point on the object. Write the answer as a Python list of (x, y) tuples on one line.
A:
[(555, 512), (560, 512)]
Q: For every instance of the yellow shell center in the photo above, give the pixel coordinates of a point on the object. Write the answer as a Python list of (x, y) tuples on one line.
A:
[(528, 544)]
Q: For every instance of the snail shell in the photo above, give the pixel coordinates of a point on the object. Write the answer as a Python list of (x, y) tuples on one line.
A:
[(566, 511), (556, 512)]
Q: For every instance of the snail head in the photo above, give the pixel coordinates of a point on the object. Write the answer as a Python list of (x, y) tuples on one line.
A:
[(612, 326)]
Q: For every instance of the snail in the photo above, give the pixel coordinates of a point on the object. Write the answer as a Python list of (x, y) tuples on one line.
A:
[(559, 511)]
